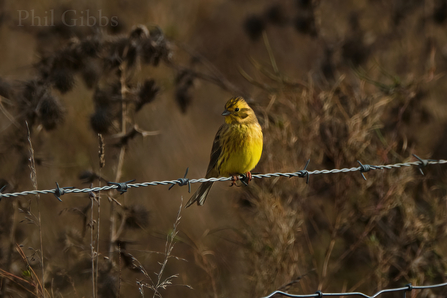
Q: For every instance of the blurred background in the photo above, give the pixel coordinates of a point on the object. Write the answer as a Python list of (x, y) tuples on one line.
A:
[(330, 81)]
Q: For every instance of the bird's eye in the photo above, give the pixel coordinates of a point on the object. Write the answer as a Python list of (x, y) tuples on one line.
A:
[(236, 109)]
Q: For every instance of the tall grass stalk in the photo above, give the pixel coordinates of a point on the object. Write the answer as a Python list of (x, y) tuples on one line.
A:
[(33, 176)]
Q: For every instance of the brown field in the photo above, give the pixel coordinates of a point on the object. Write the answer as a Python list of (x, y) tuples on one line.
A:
[(330, 81)]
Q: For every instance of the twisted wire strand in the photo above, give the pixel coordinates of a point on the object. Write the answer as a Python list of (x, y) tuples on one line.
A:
[(184, 181), (408, 288)]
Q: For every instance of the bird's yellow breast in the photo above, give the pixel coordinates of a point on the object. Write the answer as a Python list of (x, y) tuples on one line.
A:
[(241, 149)]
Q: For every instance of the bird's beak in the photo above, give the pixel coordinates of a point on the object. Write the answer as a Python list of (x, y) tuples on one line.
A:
[(226, 113)]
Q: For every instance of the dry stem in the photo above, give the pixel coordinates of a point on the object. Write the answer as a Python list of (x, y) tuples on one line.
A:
[(33, 177)]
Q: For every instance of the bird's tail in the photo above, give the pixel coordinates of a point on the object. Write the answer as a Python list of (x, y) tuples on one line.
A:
[(200, 195)]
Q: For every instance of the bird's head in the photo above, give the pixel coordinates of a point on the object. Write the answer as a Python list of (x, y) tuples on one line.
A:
[(237, 111)]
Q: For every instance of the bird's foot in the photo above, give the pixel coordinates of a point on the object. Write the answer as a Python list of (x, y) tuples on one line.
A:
[(246, 178), (234, 178)]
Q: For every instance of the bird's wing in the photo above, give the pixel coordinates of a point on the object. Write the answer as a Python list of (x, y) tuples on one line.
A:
[(216, 151)]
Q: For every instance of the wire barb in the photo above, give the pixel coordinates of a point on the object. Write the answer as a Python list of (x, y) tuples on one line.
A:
[(121, 186), (60, 191), (365, 168), (245, 178), (423, 163), (182, 181), (304, 173)]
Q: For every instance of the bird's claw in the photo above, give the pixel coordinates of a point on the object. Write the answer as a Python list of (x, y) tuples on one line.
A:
[(246, 178), (234, 178)]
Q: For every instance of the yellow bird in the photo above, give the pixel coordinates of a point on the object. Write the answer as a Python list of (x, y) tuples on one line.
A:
[(237, 147)]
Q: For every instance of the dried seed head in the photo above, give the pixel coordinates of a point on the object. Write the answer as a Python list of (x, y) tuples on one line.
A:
[(131, 54), (184, 82), (107, 95), (62, 79), (137, 217), (63, 31), (354, 50), (51, 112), (139, 32), (32, 92), (69, 57), (304, 4), (91, 46), (88, 176), (305, 24), (275, 15), (119, 45), (111, 61), (101, 121), (90, 74), (146, 94), (155, 48), (114, 52), (440, 12), (149, 51), (183, 98), (128, 261), (44, 66), (30, 98), (254, 26)]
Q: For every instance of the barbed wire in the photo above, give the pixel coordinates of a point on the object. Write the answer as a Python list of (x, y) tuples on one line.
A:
[(124, 186), (407, 288)]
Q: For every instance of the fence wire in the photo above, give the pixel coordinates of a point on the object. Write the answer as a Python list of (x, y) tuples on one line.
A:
[(124, 186), (407, 289)]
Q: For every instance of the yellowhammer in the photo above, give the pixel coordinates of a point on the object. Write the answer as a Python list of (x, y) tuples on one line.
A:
[(237, 147)]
